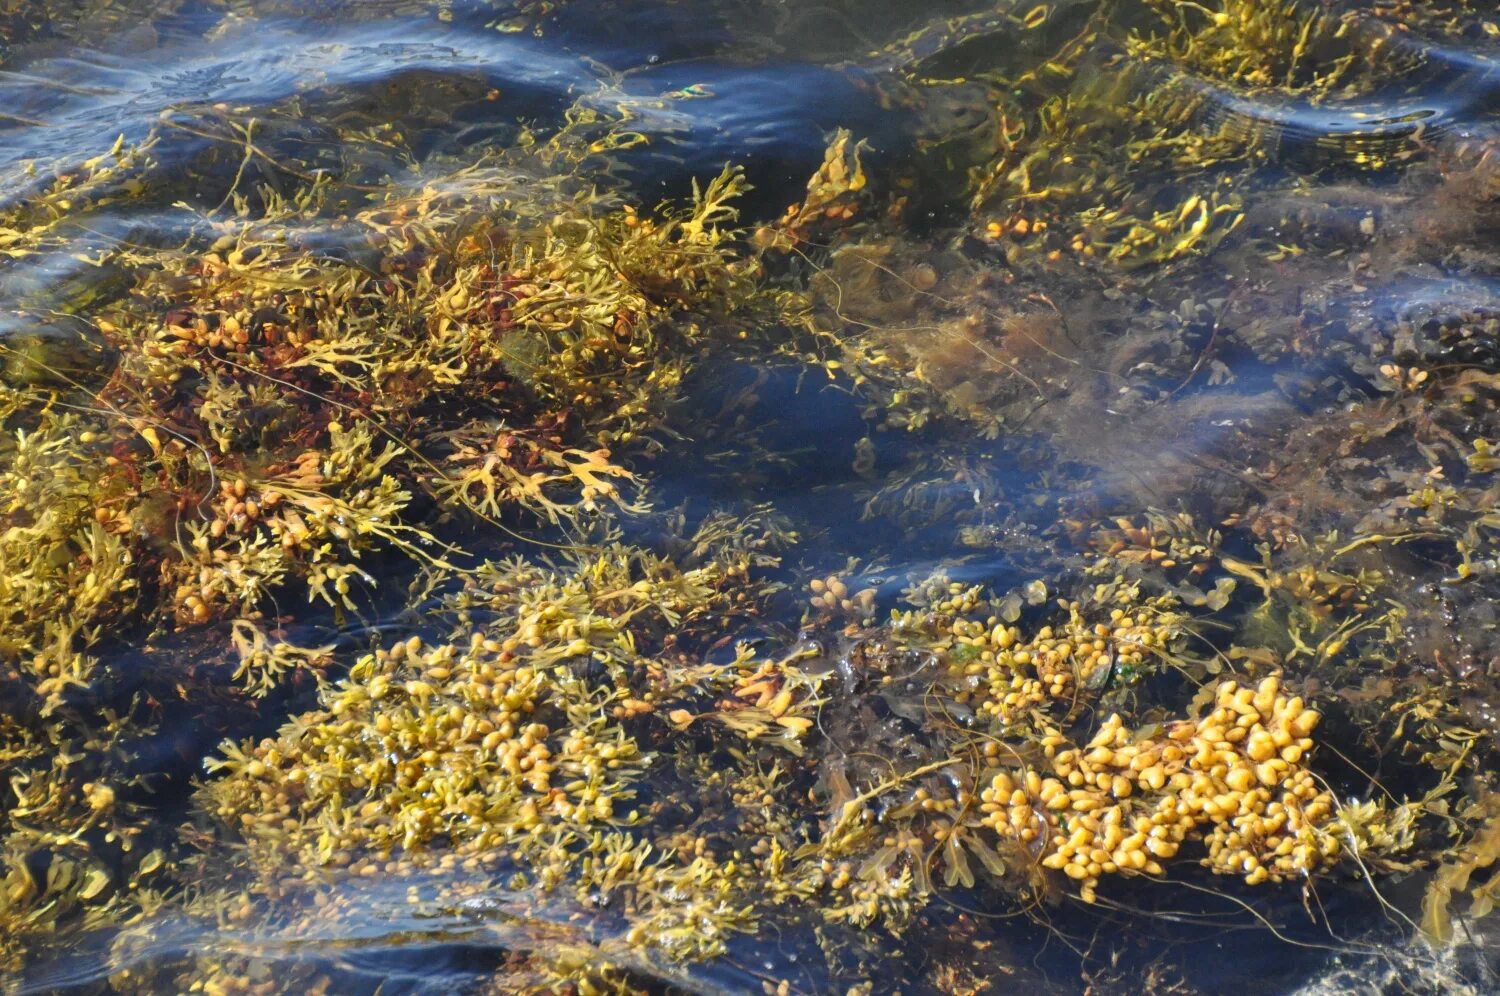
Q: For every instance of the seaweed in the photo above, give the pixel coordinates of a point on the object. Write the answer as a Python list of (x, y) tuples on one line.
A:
[(622, 740)]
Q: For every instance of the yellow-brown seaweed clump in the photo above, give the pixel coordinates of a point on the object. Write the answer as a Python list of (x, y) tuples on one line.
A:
[(489, 365), (466, 746), (516, 751), (533, 723), (1236, 780), (1008, 674), (271, 414)]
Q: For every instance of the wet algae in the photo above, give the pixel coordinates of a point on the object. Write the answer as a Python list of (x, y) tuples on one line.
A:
[(1170, 607)]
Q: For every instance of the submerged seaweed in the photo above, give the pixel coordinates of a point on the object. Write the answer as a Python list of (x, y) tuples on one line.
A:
[(1173, 573)]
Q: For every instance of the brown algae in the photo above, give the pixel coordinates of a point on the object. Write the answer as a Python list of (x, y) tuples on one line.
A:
[(1243, 641)]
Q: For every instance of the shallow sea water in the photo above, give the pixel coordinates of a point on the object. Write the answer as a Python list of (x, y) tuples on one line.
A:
[(1326, 231)]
